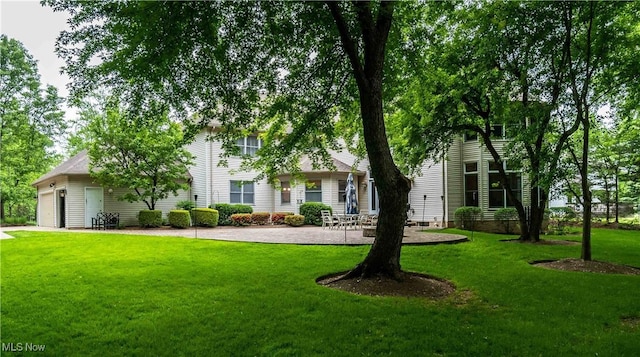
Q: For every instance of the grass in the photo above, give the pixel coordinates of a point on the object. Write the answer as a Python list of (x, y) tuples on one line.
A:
[(84, 294)]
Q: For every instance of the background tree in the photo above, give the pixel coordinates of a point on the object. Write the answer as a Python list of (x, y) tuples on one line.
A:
[(146, 155), (495, 71), (30, 124)]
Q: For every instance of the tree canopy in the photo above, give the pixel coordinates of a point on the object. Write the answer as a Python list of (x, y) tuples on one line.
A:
[(30, 122), (147, 156)]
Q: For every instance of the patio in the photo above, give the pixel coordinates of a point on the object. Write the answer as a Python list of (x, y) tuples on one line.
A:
[(309, 235)]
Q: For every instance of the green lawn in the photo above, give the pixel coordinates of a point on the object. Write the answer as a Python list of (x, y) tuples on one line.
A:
[(84, 294)]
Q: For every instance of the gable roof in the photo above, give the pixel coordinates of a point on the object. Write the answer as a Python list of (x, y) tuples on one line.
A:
[(306, 166), (77, 165)]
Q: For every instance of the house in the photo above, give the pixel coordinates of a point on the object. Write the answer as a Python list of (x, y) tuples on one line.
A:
[(68, 197)]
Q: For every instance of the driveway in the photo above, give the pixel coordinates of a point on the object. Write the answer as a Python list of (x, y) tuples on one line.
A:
[(268, 234)]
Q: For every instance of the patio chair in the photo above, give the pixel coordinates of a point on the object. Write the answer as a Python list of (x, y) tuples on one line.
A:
[(111, 220), (97, 221), (328, 220)]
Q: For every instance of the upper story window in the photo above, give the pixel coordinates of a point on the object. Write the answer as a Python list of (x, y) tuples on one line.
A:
[(313, 192), (249, 145), (470, 136), (497, 194), (242, 192)]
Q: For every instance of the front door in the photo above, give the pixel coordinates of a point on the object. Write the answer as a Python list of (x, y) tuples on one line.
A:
[(92, 204)]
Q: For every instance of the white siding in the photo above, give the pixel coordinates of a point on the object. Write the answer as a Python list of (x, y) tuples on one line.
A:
[(221, 178), (76, 200), (201, 170), (430, 183), (129, 211), (455, 182)]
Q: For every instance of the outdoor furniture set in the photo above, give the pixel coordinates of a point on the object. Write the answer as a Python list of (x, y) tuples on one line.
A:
[(105, 220), (354, 221)]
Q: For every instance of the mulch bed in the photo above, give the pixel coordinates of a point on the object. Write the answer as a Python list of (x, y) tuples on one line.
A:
[(592, 266), (409, 285)]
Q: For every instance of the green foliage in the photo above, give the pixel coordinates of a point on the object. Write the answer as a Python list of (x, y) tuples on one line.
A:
[(466, 217), (14, 221), (226, 210), (260, 218), (179, 218), (295, 220), (150, 218), (506, 216), (241, 219), (144, 155), (560, 218), (31, 123), (185, 205), (278, 217), (312, 212), (205, 217)]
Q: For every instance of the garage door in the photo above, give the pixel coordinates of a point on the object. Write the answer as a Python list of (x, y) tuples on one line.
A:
[(46, 210)]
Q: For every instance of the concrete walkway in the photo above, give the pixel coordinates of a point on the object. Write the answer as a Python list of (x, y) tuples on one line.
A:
[(269, 234)]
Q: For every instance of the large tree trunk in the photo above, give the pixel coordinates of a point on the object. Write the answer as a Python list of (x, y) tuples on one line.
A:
[(366, 52), (393, 189)]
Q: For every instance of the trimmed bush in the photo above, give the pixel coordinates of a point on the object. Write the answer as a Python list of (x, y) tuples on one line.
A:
[(241, 219), (225, 210), (150, 219), (466, 217), (278, 217), (186, 205), (506, 216), (179, 218), (260, 218), (311, 212), (294, 220), (205, 217)]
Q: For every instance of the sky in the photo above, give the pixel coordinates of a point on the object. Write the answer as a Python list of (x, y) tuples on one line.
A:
[(37, 27)]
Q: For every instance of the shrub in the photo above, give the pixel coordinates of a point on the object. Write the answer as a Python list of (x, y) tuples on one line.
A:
[(205, 217), (179, 218), (225, 211), (260, 218), (185, 205), (559, 218), (241, 219), (278, 217), (294, 220), (14, 221), (506, 216), (311, 212), (150, 218), (466, 217)]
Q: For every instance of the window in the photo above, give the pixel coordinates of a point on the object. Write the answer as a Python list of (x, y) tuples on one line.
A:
[(241, 192), (342, 190), (470, 136), (471, 184), (497, 131), (314, 191), (497, 194), (249, 145), (285, 192)]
